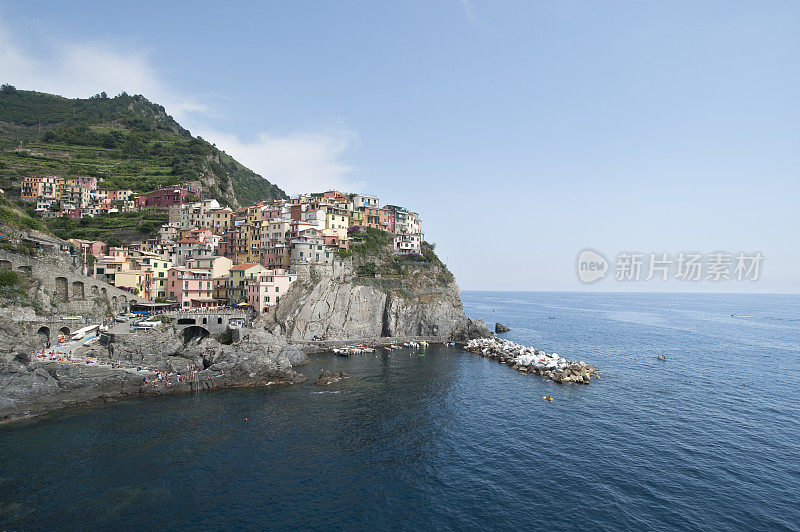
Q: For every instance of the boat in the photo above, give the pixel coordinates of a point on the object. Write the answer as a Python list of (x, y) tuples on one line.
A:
[(661, 357), (80, 333)]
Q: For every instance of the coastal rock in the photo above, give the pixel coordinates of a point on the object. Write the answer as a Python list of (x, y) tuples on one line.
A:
[(153, 363), (372, 308), (500, 328), (532, 360), (329, 377)]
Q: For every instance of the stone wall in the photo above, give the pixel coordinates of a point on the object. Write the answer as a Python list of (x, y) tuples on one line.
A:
[(340, 270), (62, 287)]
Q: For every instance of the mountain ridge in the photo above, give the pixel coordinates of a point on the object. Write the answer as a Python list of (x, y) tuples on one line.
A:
[(125, 141)]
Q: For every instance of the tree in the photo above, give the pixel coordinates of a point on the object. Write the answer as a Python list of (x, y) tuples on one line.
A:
[(368, 269), (8, 89), (113, 139)]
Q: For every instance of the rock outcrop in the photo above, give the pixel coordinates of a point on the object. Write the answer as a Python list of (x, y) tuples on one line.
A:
[(535, 361), (500, 328), (153, 363), (327, 377), (423, 303)]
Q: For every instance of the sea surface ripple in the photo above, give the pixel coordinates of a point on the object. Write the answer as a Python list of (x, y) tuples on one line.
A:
[(708, 440)]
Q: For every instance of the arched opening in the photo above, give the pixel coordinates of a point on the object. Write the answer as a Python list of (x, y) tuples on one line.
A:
[(186, 321), (27, 270), (205, 321), (5, 264), (195, 332), (63, 334), (95, 290), (114, 302), (77, 290), (61, 293), (103, 291), (44, 334)]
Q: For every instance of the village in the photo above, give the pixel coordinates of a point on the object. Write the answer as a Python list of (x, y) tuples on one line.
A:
[(209, 255)]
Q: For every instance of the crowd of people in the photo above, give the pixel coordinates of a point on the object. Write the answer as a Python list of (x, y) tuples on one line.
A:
[(57, 355)]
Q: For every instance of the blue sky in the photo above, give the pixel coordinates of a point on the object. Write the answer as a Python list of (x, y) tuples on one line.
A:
[(523, 132)]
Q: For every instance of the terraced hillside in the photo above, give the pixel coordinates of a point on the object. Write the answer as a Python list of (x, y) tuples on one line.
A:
[(126, 141)]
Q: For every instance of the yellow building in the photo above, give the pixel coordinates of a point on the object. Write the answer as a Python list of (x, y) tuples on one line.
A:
[(139, 281), (240, 274), (337, 223)]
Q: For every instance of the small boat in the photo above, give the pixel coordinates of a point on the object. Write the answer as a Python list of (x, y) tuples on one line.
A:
[(551, 317), (661, 357)]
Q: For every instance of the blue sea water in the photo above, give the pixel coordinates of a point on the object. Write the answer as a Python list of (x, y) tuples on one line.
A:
[(708, 440)]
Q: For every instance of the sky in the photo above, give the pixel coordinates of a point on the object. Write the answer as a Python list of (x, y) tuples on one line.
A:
[(523, 132)]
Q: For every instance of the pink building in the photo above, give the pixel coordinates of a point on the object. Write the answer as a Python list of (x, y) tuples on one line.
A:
[(265, 290), (93, 247), (335, 195), (85, 182), (190, 288), (164, 197)]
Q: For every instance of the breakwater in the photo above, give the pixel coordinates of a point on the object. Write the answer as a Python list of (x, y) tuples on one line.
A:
[(528, 359)]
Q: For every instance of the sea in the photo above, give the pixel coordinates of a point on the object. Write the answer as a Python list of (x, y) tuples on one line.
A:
[(440, 439)]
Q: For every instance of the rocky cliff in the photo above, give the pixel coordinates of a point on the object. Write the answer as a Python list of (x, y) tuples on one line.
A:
[(155, 363), (423, 300)]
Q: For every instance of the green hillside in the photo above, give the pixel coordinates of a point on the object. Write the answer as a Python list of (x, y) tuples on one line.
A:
[(126, 141)]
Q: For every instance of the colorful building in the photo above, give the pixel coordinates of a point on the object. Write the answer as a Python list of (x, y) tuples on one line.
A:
[(265, 289), (190, 288)]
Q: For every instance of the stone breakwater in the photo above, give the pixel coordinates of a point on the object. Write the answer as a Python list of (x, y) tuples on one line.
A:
[(528, 359)]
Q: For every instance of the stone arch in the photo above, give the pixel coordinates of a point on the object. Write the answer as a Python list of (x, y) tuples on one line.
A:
[(27, 270), (103, 291), (77, 290), (65, 332), (95, 290), (62, 293), (194, 332), (44, 334), (5, 264), (205, 321)]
